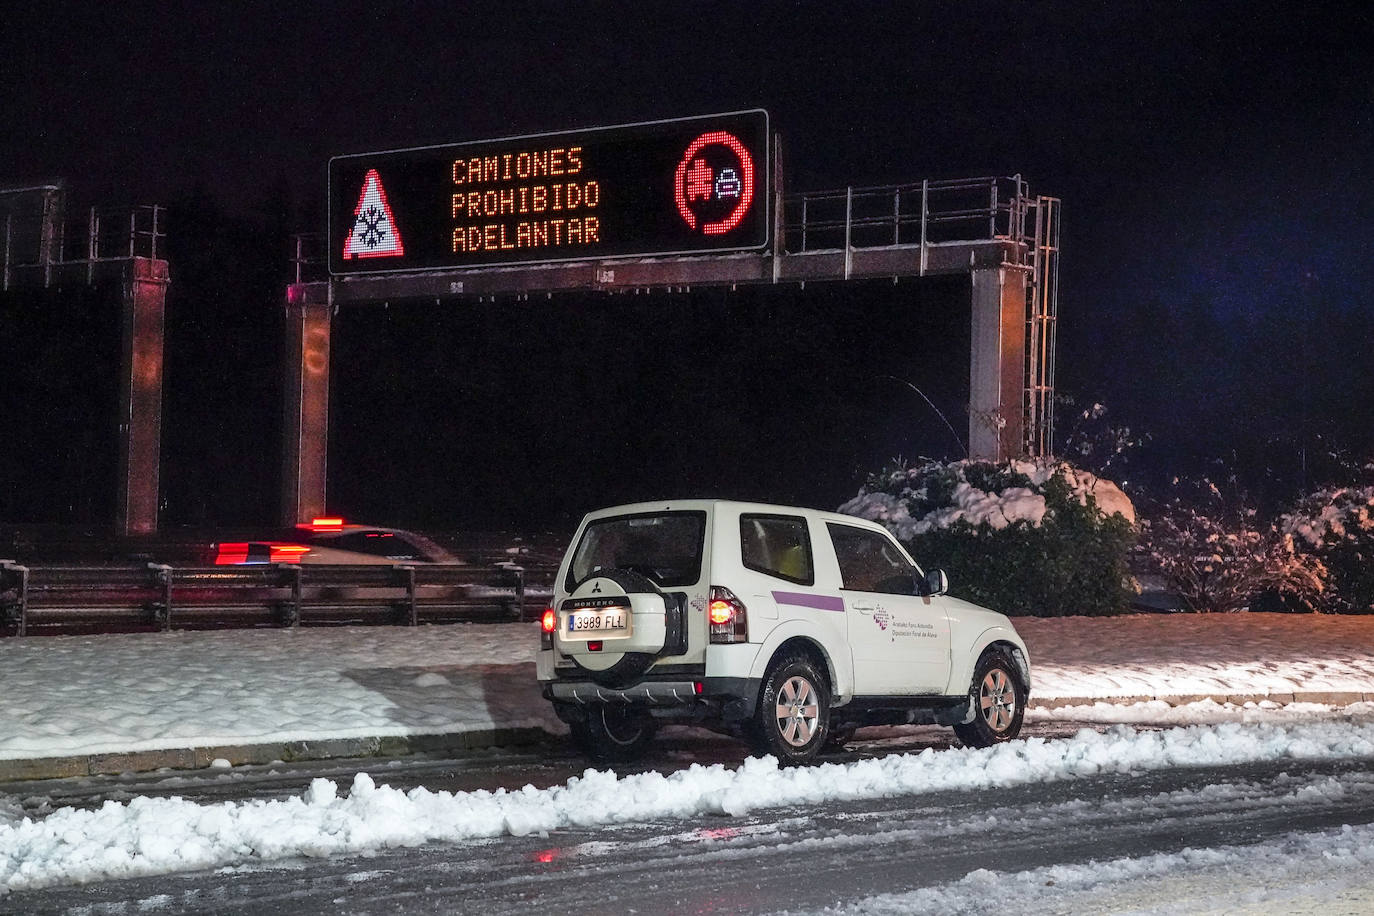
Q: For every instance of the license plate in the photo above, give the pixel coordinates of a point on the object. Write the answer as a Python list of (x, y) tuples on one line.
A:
[(598, 621)]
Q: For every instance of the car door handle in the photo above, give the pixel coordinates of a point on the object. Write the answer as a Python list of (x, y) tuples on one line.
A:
[(867, 607)]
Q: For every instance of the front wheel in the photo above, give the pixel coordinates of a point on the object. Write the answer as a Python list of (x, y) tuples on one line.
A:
[(613, 734), (792, 721), (999, 702)]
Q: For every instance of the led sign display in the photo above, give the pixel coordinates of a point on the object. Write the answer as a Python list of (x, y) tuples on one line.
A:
[(663, 187)]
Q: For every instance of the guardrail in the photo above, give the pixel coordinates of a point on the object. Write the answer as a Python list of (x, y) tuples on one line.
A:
[(155, 596)]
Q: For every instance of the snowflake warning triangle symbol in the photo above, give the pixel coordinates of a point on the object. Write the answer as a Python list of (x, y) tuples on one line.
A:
[(374, 233)]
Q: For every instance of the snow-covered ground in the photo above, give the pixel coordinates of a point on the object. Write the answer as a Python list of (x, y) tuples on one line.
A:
[(79, 695), (1199, 654), (109, 694)]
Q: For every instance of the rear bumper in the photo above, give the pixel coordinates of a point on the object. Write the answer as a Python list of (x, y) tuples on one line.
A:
[(651, 692), (728, 698)]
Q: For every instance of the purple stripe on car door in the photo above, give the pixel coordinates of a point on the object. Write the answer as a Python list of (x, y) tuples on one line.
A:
[(819, 602)]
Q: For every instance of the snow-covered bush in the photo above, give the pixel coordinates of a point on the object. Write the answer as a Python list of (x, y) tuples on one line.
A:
[(1336, 526), (1022, 537), (1218, 555)]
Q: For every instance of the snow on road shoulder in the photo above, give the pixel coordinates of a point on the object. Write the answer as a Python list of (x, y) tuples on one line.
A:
[(1329, 871), (75, 695), (151, 836), (1187, 654), (69, 695)]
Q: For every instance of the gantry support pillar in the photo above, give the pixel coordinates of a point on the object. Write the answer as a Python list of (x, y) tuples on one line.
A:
[(305, 368), (997, 368), (140, 394)]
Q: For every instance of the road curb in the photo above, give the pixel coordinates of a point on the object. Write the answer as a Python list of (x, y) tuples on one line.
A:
[(1326, 697), (192, 758)]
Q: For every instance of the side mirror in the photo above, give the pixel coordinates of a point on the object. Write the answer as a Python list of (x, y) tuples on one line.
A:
[(937, 583)]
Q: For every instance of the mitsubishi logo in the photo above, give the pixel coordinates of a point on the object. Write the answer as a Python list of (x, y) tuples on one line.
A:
[(596, 587)]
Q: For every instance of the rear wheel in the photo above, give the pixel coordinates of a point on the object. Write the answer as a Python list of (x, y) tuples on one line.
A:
[(613, 734), (792, 721), (999, 702)]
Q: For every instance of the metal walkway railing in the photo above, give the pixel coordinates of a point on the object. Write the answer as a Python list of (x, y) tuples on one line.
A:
[(38, 235), (960, 210)]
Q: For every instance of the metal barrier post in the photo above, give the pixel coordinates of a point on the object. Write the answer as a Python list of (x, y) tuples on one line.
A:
[(22, 592), (292, 615), (412, 612), (162, 575)]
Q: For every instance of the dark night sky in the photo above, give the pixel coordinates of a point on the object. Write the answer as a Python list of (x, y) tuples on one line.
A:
[(1214, 159)]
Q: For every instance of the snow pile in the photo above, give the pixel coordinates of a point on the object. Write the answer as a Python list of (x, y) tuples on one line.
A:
[(152, 836), (1327, 871), (889, 497)]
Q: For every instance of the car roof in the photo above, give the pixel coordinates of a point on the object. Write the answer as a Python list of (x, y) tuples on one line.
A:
[(732, 506)]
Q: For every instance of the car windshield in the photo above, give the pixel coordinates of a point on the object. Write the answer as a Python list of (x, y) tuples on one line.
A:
[(664, 546)]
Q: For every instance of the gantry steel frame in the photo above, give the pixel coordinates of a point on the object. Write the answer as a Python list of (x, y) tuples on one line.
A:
[(991, 228)]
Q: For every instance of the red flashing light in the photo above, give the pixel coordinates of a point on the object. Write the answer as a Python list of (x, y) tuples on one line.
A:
[(549, 622), (232, 554), (288, 553)]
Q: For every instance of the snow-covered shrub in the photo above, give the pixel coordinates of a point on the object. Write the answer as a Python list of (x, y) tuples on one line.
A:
[(1219, 556), (1336, 526), (1021, 537)]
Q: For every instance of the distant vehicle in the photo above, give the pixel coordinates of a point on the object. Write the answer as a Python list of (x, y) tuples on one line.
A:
[(330, 540), (786, 627)]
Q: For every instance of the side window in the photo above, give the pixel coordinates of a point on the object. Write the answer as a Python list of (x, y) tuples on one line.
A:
[(870, 562), (777, 545), (376, 543)]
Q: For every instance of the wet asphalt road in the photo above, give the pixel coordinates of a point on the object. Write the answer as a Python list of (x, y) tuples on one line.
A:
[(799, 858)]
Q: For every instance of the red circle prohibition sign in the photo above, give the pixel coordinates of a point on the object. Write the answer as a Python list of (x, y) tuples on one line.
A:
[(746, 181)]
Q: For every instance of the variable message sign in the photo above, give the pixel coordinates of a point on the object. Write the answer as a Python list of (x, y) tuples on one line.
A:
[(683, 186)]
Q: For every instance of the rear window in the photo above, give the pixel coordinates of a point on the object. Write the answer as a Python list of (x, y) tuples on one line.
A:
[(663, 546), (778, 545), (375, 543)]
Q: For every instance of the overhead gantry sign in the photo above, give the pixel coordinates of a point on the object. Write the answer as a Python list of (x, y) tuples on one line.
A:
[(671, 204), (685, 186)]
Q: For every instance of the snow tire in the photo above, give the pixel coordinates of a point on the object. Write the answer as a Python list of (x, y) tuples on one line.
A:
[(792, 721), (999, 702)]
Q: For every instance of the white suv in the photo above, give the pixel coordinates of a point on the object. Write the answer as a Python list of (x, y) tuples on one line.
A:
[(788, 627)]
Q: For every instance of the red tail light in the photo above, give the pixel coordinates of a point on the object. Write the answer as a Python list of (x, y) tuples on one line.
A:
[(727, 616), (547, 624)]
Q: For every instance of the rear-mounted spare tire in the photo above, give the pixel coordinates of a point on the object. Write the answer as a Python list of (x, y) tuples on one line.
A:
[(632, 665)]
